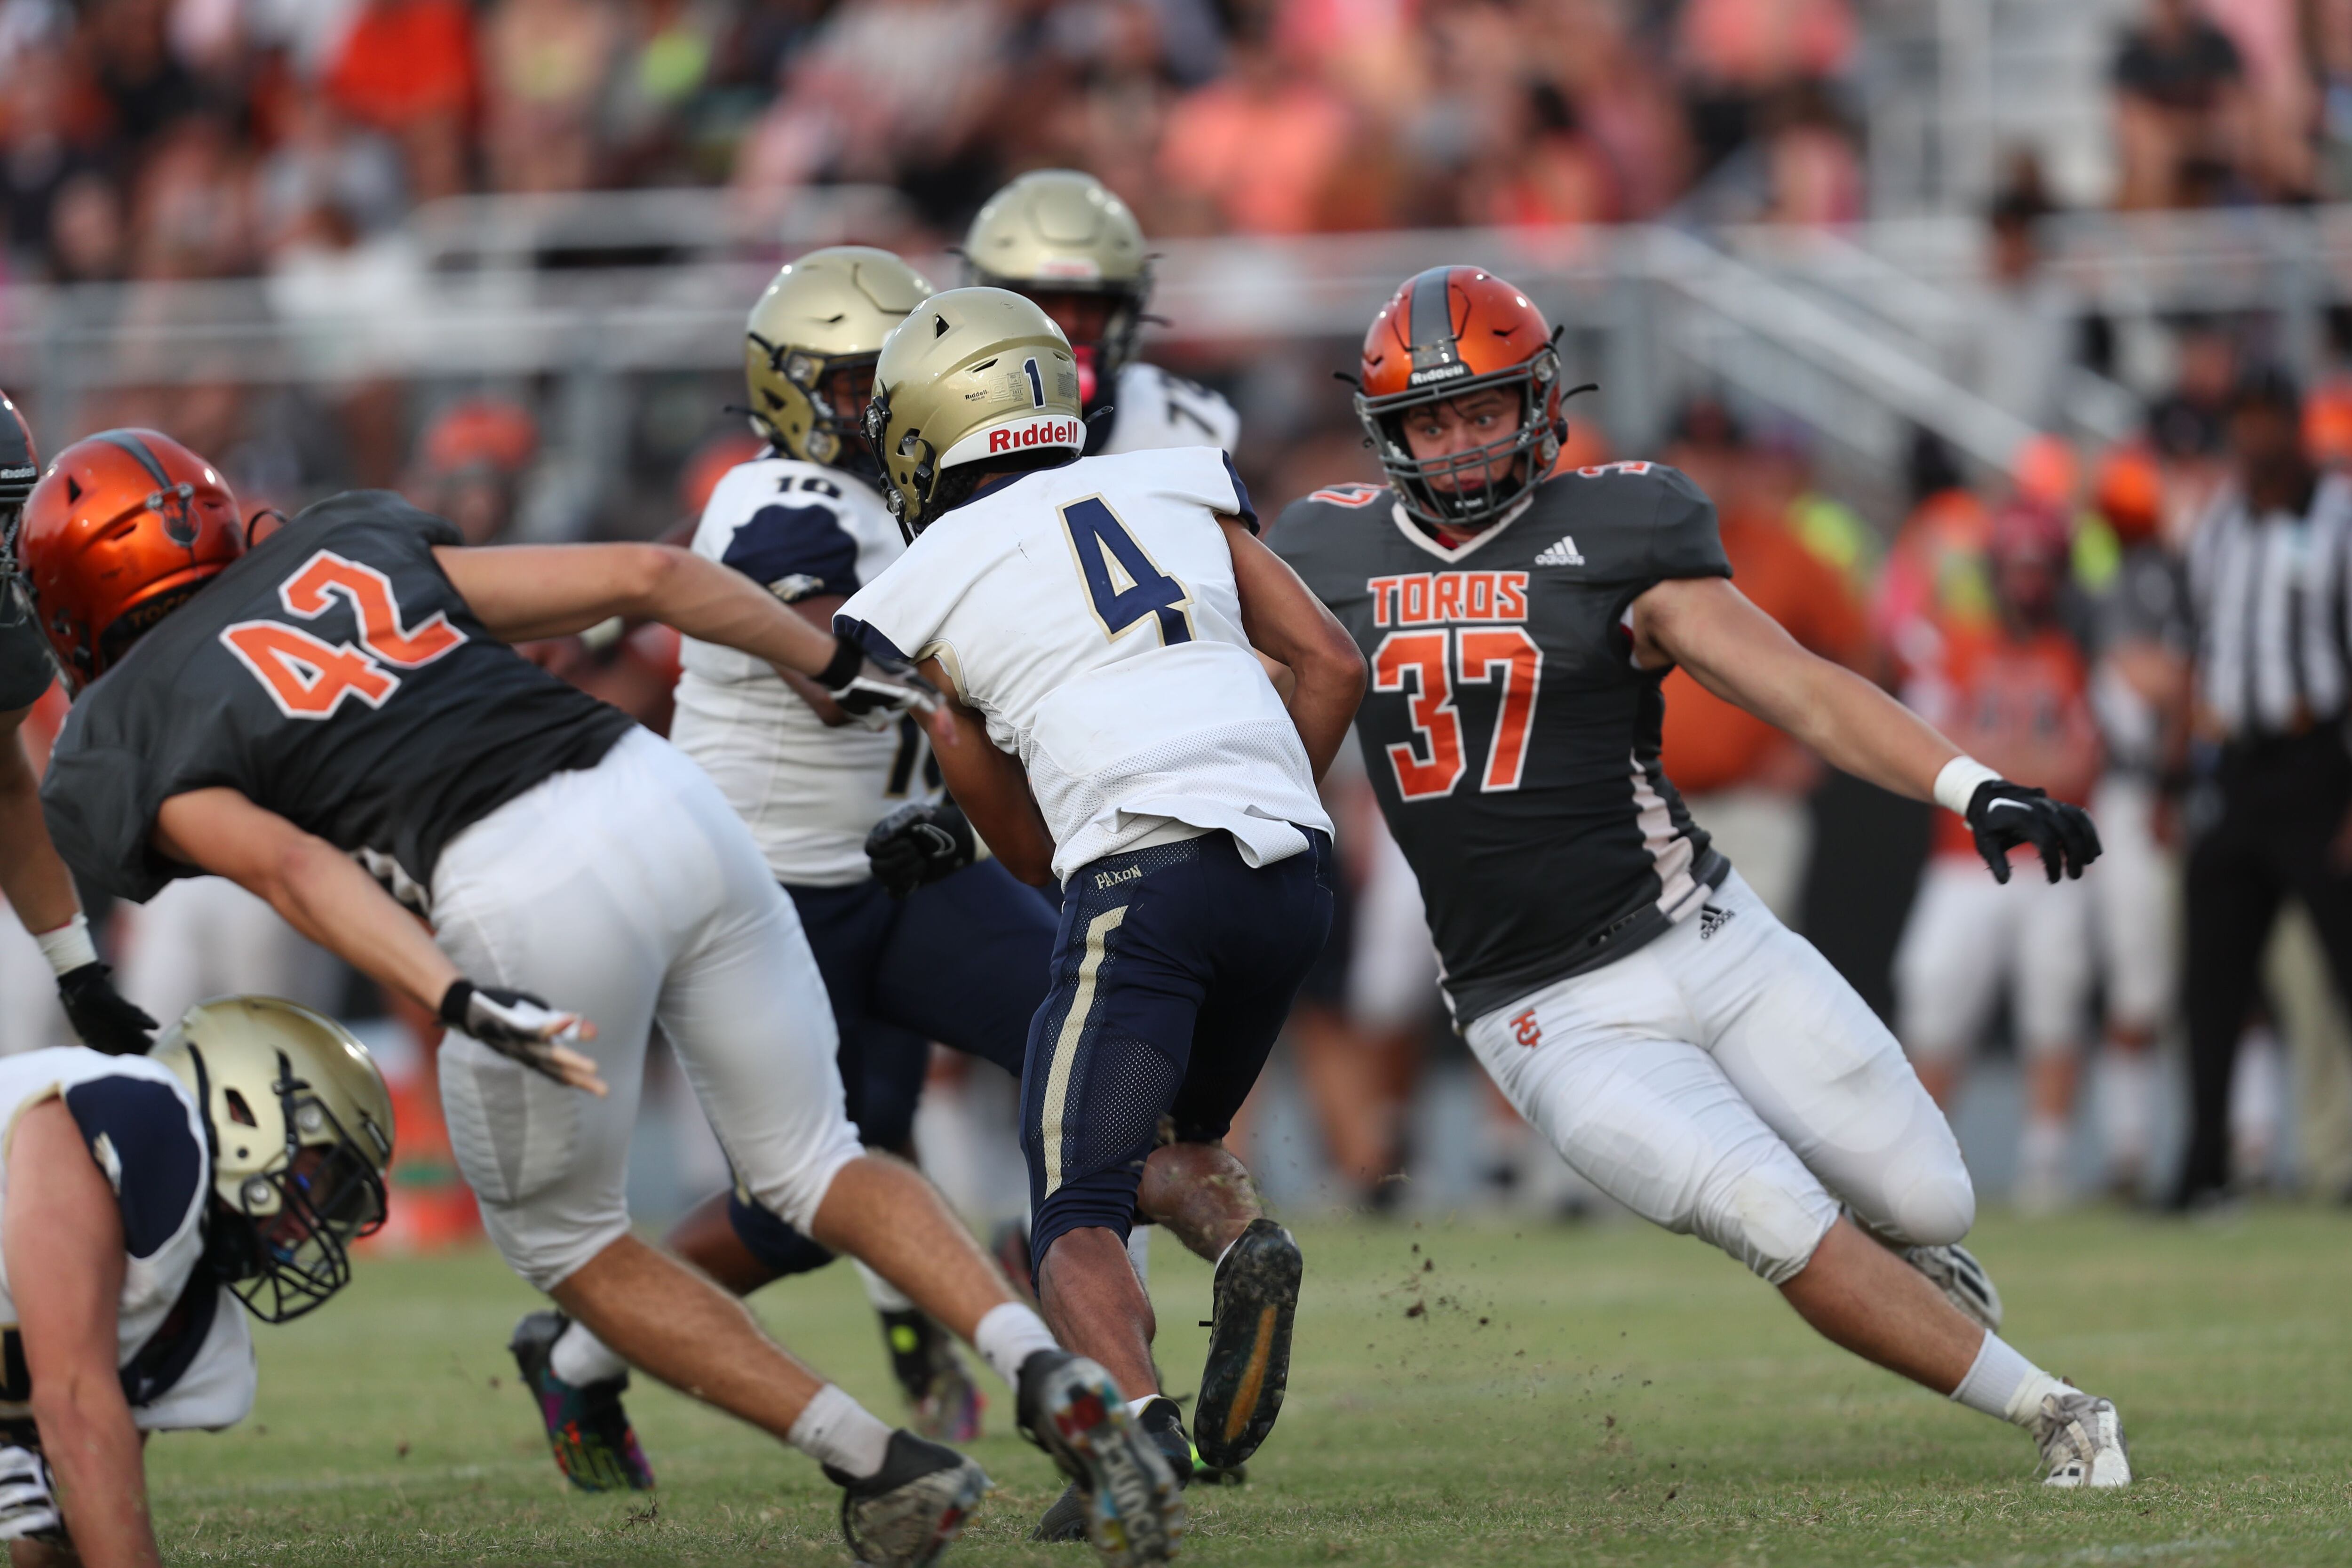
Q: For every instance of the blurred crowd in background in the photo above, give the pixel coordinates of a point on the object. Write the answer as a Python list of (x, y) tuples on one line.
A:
[(217, 138), (2041, 615)]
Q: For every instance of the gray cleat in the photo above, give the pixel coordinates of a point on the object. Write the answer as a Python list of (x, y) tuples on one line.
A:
[(1131, 1507), (911, 1509), (1954, 1270), (2081, 1441)]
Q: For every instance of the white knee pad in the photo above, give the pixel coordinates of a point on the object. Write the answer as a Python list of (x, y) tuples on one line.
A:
[(1935, 1208), (1768, 1213)]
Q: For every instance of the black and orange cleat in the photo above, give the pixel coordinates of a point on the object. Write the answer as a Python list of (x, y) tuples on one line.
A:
[(1256, 1303)]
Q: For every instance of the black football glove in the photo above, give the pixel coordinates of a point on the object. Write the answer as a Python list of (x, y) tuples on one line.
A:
[(919, 843), (105, 1019), (518, 1025), (873, 690), (2003, 815)]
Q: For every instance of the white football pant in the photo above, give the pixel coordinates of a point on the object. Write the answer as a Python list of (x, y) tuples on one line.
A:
[(630, 892), (1725, 1082), (2133, 886), (1967, 935)]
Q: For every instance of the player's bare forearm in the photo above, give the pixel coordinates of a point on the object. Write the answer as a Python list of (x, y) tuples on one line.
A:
[(525, 591), (1287, 623), (1743, 655), (323, 893), (64, 1256), (35, 880), (991, 787), (818, 613)]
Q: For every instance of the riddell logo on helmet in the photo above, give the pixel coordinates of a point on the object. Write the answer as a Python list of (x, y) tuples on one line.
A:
[(1046, 432), (1437, 373)]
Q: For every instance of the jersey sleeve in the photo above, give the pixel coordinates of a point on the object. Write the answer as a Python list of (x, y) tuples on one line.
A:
[(1684, 541), (107, 777), (139, 1131), (898, 615), (796, 547)]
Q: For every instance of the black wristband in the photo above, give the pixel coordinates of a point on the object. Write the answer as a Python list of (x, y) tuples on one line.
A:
[(848, 658), (453, 1002)]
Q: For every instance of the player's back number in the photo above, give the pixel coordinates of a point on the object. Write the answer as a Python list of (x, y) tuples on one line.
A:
[(1123, 581)]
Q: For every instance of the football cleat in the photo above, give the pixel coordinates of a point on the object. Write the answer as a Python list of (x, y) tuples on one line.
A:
[(1128, 1499), (587, 1430), (1954, 1270), (1163, 1422), (912, 1509), (938, 1386), (1257, 1301), (2081, 1441)]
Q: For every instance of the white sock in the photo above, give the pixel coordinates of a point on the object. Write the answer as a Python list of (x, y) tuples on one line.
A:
[(1009, 1335), (886, 1297), (580, 1358), (1139, 1253), (2004, 1383), (838, 1431), (1135, 1406), (2126, 1103), (2042, 1154)]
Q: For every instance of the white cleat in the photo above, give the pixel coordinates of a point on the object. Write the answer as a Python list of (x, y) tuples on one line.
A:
[(2081, 1441), (1954, 1270)]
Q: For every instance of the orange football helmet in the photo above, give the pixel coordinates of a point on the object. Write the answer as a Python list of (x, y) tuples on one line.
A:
[(2129, 492), (1448, 332), (122, 530)]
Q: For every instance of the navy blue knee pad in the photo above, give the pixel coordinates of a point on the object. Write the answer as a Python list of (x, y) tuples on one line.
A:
[(771, 1241)]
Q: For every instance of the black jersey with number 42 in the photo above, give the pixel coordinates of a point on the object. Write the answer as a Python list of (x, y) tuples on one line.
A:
[(334, 677), (1512, 744)]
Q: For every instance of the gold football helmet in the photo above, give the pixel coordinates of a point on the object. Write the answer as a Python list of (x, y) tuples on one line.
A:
[(978, 379), (301, 1125), (809, 349), (1056, 232)]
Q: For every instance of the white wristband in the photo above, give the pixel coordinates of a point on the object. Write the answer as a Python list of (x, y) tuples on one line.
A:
[(1957, 784), (68, 947)]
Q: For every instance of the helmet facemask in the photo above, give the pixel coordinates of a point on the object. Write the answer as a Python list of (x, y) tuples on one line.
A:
[(1478, 497), (283, 1247), (820, 386)]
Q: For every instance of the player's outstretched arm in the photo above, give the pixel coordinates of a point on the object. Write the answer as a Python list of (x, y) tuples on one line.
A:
[(330, 897), (1743, 655), (525, 591), (990, 787), (1289, 624), (65, 1254), (41, 892)]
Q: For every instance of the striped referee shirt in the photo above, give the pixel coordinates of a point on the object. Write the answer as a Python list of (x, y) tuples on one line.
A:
[(2271, 596)]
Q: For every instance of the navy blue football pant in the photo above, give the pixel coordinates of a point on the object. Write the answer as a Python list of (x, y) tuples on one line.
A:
[(963, 961), (1173, 971)]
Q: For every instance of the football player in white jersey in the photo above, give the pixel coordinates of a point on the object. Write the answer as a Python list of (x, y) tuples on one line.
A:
[(1065, 240), (142, 1200), (1094, 622), (951, 950), (1062, 239)]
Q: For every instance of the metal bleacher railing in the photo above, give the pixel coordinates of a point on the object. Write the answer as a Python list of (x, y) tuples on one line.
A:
[(1855, 337)]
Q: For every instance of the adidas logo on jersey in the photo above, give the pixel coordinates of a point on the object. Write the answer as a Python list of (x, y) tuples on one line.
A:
[(1712, 918), (1561, 555)]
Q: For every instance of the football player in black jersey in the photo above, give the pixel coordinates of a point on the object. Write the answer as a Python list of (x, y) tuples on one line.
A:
[(1683, 1050), (332, 719), (35, 880)]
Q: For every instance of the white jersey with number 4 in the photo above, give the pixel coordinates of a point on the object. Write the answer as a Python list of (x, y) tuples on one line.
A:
[(1153, 409), (809, 793), (1089, 614)]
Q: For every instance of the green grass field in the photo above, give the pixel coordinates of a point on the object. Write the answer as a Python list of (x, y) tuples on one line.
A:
[(1462, 1393)]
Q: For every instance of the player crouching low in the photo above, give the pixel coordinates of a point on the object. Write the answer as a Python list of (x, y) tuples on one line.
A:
[(332, 718), (145, 1198), (1101, 613), (1688, 1054)]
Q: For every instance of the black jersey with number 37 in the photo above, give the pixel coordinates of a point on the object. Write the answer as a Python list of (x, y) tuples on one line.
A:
[(1512, 744), (332, 676)]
